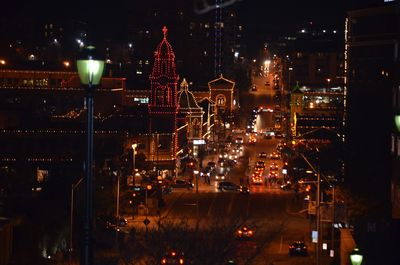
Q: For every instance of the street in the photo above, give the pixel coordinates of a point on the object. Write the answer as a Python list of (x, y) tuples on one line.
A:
[(272, 212)]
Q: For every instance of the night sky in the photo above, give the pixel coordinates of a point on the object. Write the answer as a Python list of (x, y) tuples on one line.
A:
[(261, 18)]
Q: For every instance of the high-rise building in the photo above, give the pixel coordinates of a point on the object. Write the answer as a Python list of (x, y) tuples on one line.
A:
[(371, 97)]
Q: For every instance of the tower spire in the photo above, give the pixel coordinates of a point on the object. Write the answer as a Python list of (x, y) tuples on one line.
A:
[(165, 32)]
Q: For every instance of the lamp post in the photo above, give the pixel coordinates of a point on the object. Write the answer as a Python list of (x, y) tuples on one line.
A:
[(133, 158), (318, 198), (196, 174), (73, 187), (356, 257), (90, 69)]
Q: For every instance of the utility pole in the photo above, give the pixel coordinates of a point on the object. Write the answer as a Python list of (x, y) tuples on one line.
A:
[(318, 201), (117, 212)]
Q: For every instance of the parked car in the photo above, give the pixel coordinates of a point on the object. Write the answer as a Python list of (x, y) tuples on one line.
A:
[(298, 248)]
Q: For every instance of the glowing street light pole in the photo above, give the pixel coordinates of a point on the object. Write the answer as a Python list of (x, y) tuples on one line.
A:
[(134, 146), (90, 69), (196, 174)]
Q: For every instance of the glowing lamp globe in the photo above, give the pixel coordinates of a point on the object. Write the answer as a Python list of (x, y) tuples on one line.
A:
[(90, 66), (397, 121), (356, 257)]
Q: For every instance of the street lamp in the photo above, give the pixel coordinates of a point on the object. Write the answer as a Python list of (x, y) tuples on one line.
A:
[(134, 146), (397, 121), (196, 174), (356, 257), (90, 69)]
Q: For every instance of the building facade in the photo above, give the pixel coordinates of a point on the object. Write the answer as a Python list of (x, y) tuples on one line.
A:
[(371, 89)]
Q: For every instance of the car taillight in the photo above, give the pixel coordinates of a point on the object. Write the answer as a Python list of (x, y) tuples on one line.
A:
[(240, 232), (250, 232), (164, 261)]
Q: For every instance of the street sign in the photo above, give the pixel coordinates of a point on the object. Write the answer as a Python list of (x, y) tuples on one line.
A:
[(146, 222), (314, 236)]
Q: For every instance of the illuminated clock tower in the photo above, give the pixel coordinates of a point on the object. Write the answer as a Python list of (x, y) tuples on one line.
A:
[(163, 103)]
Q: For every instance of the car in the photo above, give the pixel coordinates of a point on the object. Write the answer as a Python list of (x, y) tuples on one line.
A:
[(231, 162), (180, 183), (227, 186), (261, 163), (298, 248), (256, 179), (273, 174), (274, 155), (212, 165), (268, 136), (273, 167), (244, 190), (259, 169), (112, 222), (220, 176), (239, 140), (252, 140), (262, 155), (172, 257), (287, 186), (244, 233)]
